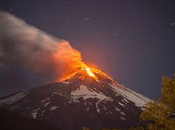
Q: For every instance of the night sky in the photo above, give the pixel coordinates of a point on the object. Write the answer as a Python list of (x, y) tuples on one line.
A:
[(131, 40)]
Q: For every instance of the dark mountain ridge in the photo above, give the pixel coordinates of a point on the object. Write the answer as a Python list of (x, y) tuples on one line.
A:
[(82, 99)]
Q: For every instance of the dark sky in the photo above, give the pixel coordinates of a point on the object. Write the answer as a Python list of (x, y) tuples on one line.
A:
[(131, 40)]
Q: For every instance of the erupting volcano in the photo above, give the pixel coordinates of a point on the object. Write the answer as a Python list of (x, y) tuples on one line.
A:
[(83, 96), (86, 97)]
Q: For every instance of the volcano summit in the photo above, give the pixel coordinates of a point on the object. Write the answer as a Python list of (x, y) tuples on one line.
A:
[(87, 97)]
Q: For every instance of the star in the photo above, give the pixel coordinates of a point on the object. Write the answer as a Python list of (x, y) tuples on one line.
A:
[(40, 13), (65, 16), (86, 18), (173, 23), (116, 34)]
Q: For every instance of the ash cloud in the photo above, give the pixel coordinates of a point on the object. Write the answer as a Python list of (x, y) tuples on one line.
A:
[(30, 47), (27, 47)]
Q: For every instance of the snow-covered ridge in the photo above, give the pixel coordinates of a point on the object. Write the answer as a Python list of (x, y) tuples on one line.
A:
[(137, 98), (13, 98), (86, 93)]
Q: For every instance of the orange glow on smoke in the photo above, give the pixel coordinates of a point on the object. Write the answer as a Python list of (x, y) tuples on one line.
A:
[(70, 63), (67, 59)]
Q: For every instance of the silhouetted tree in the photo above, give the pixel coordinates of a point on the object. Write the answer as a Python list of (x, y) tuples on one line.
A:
[(159, 114)]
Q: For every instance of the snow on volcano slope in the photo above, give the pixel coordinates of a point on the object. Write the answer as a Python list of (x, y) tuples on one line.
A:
[(84, 92), (138, 99)]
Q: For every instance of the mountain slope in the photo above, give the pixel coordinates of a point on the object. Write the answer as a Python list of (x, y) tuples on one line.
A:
[(81, 99)]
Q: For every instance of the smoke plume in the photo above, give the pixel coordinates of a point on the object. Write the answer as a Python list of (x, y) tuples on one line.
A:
[(32, 49)]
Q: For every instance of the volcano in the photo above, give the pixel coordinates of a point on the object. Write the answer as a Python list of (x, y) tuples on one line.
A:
[(86, 98)]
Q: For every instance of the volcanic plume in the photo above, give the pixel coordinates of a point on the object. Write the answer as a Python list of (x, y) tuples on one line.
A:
[(68, 59), (30, 48)]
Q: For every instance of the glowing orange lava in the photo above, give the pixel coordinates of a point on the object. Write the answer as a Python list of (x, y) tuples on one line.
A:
[(86, 71), (89, 72)]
